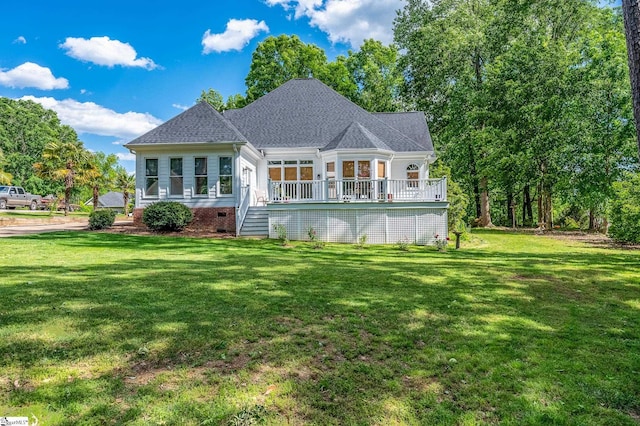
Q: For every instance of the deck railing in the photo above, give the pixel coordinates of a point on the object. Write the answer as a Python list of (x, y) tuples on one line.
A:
[(358, 190), (243, 207)]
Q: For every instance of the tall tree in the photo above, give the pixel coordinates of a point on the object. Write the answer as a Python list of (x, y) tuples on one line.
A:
[(277, 60), (126, 183), (66, 161), (631, 11), (374, 68), (213, 98), (25, 128), (446, 52)]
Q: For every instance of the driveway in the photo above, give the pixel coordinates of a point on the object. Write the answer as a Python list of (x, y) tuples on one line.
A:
[(39, 228)]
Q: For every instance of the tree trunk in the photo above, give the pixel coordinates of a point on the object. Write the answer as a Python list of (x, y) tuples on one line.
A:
[(96, 195), (540, 205), (125, 198), (510, 209), (548, 209), (592, 220), (527, 208), (474, 181), (631, 12), (485, 207)]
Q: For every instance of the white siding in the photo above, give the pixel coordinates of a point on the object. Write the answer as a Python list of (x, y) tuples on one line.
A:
[(381, 226), (188, 169)]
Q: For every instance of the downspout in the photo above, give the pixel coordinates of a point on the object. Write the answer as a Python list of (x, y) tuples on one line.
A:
[(236, 185)]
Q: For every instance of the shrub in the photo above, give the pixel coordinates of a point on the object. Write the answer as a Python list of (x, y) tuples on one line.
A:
[(624, 211), (101, 219), (165, 216), (281, 230)]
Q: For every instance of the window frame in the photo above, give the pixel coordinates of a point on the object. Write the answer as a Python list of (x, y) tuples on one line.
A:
[(197, 176), (172, 177), (413, 183), (229, 176), (148, 176)]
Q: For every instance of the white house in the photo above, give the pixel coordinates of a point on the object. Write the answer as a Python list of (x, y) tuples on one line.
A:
[(301, 156)]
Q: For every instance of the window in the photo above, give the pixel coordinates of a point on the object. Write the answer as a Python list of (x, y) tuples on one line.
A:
[(413, 174), (348, 170), (331, 170), (226, 176), (175, 178), (364, 169), (20, 191), (151, 177), (382, 170), (201, 178)]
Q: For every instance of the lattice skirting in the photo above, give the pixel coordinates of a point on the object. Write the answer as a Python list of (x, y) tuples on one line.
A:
[(382, 226)]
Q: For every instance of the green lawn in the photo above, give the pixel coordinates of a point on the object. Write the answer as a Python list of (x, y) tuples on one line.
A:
[(514, 329)]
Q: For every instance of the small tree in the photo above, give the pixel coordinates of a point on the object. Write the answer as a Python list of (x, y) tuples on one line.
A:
[(125, 183), (101, 174), (67, 161)]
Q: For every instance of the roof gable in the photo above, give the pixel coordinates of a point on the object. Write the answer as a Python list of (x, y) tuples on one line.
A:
[(306, 113), (199, 124), (412, 124), (111, 199), (356, 136)]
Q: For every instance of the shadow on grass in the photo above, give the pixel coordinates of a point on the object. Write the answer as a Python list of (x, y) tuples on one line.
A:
[(163, 329)]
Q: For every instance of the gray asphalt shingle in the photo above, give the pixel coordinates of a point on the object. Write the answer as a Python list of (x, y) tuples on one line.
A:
[(200, 123), (305, 113), (301, 113)]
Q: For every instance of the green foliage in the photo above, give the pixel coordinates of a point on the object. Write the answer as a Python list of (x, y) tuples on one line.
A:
[(25, 129), (125, 183), (66, 161), (100, 174), (458, 199), (167, 216), (624, 212), (277, 60), (101, 219), (281, 231), (375, 70), (522, 97)]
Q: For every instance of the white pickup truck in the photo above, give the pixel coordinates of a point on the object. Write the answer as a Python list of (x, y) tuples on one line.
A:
[(14, 196)]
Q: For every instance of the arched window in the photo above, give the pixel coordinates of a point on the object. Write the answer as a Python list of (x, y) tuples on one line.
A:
[(413, 174)]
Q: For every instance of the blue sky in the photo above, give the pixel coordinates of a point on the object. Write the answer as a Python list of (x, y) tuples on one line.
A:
[(114, 70)]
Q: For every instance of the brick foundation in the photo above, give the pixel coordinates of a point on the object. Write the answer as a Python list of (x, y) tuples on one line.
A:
[(219, 219)]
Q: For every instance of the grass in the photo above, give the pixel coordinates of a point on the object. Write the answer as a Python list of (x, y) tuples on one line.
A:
[(516, 329)]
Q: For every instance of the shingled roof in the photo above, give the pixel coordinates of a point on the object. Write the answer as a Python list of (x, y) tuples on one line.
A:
[(412, 124), (305, 113), (301, 113), (356, 136), (199, 124)]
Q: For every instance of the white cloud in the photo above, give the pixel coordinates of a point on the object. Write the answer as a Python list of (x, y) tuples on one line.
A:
[(347, 21), (32, 75), (126, 157), (20, 40), (178, 106), (106, 52), (88, 117), (235, 37)]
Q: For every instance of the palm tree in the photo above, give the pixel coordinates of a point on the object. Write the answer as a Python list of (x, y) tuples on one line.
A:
[(101, 174), (65, 161), (126, 183), (631, 13), (5, 177)]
